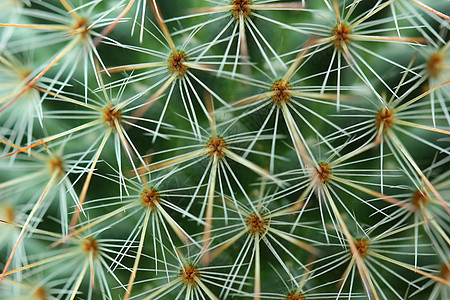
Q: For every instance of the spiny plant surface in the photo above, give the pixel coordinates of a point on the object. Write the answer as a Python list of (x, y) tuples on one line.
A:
[(226, 149)]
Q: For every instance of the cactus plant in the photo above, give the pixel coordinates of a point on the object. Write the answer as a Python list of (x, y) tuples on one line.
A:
[(229, 149)]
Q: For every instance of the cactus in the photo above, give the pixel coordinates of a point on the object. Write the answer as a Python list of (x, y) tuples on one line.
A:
[(229, 149)]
